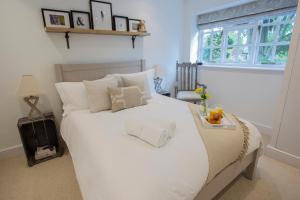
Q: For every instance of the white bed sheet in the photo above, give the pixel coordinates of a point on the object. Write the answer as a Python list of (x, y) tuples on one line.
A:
[(111, 165)]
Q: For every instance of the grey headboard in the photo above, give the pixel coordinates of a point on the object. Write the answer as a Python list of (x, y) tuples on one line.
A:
[(80, 72)]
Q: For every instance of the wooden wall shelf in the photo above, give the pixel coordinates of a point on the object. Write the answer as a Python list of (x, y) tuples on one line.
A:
[(96, 32)]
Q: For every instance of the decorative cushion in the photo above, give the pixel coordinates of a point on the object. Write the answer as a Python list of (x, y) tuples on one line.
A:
[(150, 73), (139, 80), (188, 96), (126, 97), (118, 77), (98, 98)]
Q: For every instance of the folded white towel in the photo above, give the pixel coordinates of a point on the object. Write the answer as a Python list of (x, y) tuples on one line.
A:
[(155, 132), (155, 136)]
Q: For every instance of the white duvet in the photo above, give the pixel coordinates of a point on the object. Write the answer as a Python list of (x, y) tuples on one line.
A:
[(110, 165)]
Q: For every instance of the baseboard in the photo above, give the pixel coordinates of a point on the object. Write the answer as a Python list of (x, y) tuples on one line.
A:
[(263, 129), (11, 151), (282, 156)]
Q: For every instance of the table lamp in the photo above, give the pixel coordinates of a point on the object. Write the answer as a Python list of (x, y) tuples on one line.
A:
[(30, 92), (159, 73)]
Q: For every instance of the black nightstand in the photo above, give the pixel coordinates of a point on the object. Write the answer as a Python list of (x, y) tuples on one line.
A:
[(39, 132), (165, 93)]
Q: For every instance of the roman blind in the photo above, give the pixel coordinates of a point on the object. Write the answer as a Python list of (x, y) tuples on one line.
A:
[(249, 9)]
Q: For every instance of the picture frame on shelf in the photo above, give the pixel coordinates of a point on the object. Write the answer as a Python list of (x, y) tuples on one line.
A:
[(56, 18), (120, 23), (134, 25), (101, 13), (80, 19)]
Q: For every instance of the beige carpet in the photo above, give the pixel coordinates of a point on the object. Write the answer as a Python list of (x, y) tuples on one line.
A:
[(55, 180)]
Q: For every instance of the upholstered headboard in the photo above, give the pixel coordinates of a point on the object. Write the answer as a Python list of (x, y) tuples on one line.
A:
[(80, 72)]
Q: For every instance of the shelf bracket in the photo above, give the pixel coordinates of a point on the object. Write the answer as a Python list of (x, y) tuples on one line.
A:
[(67, 39), (67, 36), (133, 40)]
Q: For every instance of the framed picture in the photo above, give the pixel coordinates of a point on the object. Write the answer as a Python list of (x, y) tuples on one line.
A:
[(120, 23), (101, 15), (56, 18), (80, 19), (134, 25)]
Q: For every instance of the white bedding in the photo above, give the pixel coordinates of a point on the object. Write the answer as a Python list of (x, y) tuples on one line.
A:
[(111, 165)]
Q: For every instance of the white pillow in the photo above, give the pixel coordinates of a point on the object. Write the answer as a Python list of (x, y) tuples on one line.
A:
[(97, 95), (138, 80), (73, 96), (150, 73), (118, 77)]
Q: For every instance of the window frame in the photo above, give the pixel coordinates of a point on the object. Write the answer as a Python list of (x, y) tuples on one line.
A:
[(238, 28), (211, 47), (254, 23), (277, 25)]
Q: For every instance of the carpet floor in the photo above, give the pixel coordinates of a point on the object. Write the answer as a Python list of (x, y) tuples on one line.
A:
[(55, 180)]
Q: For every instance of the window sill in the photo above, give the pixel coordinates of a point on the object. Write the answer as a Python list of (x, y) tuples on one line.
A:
[(240, 68)]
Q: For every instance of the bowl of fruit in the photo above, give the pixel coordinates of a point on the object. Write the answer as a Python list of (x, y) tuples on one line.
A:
[(215, 116)]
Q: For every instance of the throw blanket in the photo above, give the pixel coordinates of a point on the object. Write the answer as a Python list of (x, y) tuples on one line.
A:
[(224, 146)]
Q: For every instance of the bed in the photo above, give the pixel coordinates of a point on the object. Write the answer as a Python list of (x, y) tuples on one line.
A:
[(111, 165)]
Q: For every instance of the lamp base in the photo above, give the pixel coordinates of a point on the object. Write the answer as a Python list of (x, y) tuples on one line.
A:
[(32, 102), (157, 84)]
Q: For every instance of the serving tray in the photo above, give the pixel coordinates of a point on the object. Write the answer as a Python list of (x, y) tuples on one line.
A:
[(226, 122)]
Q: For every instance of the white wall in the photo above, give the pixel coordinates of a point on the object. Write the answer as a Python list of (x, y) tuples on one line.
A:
[(252, 94), (27, 49)]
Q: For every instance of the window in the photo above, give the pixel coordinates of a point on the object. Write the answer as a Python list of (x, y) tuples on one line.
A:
[(238, 45), (212, 41), (258, 41)]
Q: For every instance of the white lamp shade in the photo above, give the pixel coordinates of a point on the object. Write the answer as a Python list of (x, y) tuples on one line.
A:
[(29, 87), (159, 71)]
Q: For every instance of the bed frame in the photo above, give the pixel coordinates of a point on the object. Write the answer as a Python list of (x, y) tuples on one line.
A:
[(80, 72)]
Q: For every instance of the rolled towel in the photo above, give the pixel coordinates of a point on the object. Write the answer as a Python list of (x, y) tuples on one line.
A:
[(170, 126), (157, 137), (133, 127), (155, 132)]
